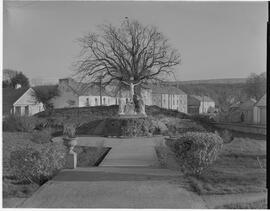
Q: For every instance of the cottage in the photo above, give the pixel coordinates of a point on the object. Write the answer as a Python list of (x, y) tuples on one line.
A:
[(206, 103), (20, 101), (242, 112), (76, 94), (259, 111), (169, 97)]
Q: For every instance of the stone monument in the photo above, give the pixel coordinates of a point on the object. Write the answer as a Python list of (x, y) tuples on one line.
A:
[(70, 141), (129, 108)]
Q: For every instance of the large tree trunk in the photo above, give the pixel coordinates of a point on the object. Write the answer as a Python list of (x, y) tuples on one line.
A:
[(137, 94)]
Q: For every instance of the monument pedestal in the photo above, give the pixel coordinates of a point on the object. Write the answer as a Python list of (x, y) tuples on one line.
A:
[(71, 160)]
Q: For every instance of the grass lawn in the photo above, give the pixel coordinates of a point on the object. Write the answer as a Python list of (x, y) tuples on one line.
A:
[(241, 167)]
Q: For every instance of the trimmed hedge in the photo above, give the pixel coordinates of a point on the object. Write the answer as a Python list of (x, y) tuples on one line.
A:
[(14, 123), (196, 150), (128, 127), (37, 165)]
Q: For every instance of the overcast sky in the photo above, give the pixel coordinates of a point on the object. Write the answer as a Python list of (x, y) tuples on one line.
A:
[(215, 39)]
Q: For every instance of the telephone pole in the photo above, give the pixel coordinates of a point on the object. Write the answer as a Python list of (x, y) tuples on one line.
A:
[(100, 89)]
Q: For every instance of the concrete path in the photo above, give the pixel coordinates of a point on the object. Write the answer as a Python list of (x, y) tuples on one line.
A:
[(214, 201), (114, 187), (129, 177)]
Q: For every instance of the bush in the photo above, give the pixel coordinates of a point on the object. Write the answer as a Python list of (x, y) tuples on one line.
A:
[(227, 136), (41, 136), (196, 150), (20, 123), (136, 127), (38, 166)]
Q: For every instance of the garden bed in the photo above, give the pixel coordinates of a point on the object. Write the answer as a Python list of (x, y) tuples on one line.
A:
[(241, 168), (16, 188)]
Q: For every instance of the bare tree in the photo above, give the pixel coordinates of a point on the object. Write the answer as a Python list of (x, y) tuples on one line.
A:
[(131, 53)]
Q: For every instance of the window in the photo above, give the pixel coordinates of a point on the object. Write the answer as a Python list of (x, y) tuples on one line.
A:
[(17, 110), (26, 111), (104, 101), (96, 101), (87, 102)]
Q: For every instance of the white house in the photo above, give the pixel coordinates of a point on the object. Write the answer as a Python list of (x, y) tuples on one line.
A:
[(76, 94), (20, 101), (259, 111), (205, 103), (169, 97)]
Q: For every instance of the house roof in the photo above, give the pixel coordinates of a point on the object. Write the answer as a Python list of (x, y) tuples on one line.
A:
[(166, 90), (85, 89), (43, 87), (235, 105), (10, 96), (203, 98), (261, 102), (249, 104)]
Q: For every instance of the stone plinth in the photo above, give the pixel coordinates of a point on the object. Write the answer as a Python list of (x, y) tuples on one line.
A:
[(130, 109), (71, 160)]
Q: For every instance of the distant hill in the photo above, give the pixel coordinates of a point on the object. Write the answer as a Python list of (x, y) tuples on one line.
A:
[(214, 81)]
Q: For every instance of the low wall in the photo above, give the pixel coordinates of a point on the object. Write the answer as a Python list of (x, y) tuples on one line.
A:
[(245, 128)]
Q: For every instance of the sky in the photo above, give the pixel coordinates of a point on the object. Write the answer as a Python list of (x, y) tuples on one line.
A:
[(215, 39)]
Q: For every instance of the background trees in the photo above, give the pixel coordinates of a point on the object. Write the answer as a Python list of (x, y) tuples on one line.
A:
[(44, 94), (12, 78), (131, 53), (255, 86)]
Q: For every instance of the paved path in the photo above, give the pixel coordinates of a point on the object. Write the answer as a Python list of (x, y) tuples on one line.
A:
[(214, 201), (129, 177)]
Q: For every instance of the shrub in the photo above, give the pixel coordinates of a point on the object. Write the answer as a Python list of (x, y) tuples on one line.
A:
[(136, 127), (20, 123), (196, 150), (227, 136), (37, 166), (41, 136)]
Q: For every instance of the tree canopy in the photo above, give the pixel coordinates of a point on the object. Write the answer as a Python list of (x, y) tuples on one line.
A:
[(44, 94), (128, 53), (21, 79), (12, 78), (255, 86)]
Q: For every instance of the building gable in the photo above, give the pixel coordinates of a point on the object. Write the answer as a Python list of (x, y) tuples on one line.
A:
[(26, 99)]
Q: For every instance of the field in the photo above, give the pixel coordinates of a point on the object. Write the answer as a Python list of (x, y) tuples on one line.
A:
[(240, 168)]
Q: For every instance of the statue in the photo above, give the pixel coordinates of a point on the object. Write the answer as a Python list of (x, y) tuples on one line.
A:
[(121, 105), (141, 107), (131, 85)]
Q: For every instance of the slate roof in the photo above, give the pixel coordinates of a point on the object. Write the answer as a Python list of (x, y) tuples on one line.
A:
[(86, 89), (249, 104), (10, 96), (166, 90), (204, 98), (261, 102)]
